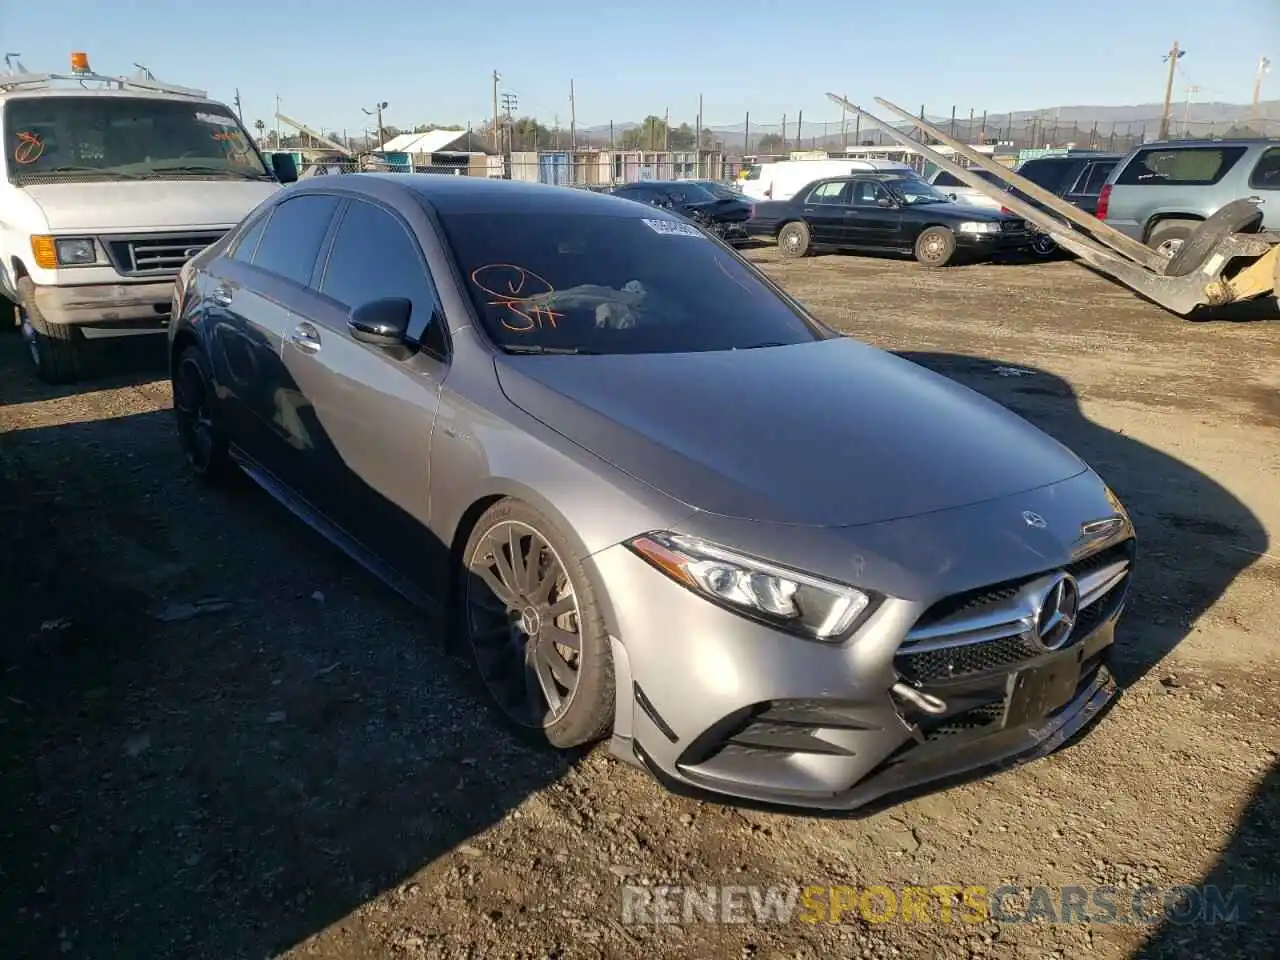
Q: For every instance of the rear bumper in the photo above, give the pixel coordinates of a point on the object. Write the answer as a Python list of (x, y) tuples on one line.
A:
[(142, 307)]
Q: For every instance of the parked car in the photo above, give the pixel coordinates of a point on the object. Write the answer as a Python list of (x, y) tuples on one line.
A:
[(784, 178), (956, 189), (1076, 176), (886, 212), (574, 422), (1162, 191), (722, 215)]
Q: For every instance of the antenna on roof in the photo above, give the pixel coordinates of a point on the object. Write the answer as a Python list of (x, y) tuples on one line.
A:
[(144, 73), (13, 63)]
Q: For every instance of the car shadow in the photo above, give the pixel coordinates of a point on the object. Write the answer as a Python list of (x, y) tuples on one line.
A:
[(113, 363), (1245, 877), (1194, 536), (204, 758)]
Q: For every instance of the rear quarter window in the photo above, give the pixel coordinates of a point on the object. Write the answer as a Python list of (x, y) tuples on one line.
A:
[(1184, 166), (1052, 175)]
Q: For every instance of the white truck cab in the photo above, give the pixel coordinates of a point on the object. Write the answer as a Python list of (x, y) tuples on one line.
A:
[(107, 187)]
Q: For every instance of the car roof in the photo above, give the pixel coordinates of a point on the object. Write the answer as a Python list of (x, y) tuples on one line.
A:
[(1077, 155), (461, 194), (1187, 144)]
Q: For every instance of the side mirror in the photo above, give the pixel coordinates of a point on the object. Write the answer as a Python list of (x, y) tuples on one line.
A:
[(885, 202), (284, 167), (953, 196), (381, 323)]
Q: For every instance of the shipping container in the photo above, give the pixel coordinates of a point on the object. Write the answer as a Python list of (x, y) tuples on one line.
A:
[(555, 169)]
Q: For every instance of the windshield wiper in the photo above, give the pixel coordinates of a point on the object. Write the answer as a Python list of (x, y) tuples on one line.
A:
[(205, 168), (75, 169), (534, 348), (761, 346)]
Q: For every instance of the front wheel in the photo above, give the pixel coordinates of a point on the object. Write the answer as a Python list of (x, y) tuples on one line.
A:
[(935, 247), (57, 350), (1043, 246), (204, 445), (794, 240), (536, 636)]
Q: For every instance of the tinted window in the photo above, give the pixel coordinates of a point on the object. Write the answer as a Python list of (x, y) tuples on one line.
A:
[(373, 256), (1094, 177), (294, 235), (868, 193), (1053, 175), (691, 193), (248, 241), (610, 284), (944, 179), (1266, 175), (1190, 166), (830, 192)]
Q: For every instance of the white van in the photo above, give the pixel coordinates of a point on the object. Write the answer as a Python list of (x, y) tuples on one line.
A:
[(782, 180), (109, 186)]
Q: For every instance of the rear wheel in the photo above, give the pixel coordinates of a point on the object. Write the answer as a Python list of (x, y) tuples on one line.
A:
[(535, 632), (935, 247), (1238, 216), (794, 240), (57, 350), (1167, 236)]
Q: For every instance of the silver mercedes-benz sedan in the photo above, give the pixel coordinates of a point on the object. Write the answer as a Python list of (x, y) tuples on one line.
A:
[(662, 503)]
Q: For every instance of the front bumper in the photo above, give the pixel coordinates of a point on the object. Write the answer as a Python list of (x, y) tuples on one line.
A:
[(724, 706), (993, 244), (125, 307)]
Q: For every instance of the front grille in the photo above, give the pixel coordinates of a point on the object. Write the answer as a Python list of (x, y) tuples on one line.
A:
[(1013, 226), (155, 255), (991, 630)]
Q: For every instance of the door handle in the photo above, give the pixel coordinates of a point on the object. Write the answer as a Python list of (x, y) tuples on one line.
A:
[(305, 337), (221, 295), (809, 210), (1256, 200)]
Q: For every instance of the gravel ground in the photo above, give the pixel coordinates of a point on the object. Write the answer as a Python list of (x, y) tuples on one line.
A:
[(222, 739)]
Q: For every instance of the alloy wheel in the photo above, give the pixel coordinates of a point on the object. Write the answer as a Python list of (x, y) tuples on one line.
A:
[(524, 624), (194, 413)]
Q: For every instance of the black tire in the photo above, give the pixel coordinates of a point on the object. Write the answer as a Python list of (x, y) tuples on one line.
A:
[(1044, 247), (794, 240), (57, 350), (935, 247), (585, 712), (1168, 236), (1238, 216), (204, 442)]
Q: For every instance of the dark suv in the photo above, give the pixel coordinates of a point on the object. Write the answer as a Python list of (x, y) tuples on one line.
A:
[(1076, 176)]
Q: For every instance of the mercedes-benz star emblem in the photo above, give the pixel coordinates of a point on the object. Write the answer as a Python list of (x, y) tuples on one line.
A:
[(1034, 520), (1058, 613)]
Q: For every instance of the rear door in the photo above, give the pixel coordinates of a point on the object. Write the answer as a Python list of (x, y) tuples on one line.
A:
[(367, 470), (824, 209), (266, 294), (1085, 191)]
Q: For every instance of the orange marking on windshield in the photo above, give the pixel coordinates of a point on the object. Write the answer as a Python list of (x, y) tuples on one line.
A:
[(516, 289), (30, 148)]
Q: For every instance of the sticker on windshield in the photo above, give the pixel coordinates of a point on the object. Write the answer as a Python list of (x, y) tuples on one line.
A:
[(674, 228), (217, 119)]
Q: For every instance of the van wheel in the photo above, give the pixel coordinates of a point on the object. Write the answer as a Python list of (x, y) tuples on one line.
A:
[(1168, 235), (56, 349), (794, 240), (935, 247)]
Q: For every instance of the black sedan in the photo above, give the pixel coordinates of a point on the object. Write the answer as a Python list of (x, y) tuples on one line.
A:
[(891, 212), (718, 212)]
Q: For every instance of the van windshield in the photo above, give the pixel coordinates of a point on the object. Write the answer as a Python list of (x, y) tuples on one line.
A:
[(125, 138)]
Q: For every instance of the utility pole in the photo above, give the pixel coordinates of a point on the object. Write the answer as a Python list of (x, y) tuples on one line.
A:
[(800, 130), (1171, 58), (844, 126), (240, 113), (666, 130), (746, 136), (1263, 66), (494, 132), (697, 136), (278, 143), (784, 133), (573, 119), (1192, 90), (509, 102)]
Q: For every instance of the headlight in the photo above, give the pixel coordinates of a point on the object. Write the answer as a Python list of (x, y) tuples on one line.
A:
[(788, 599), (979, 227), (76, 252)]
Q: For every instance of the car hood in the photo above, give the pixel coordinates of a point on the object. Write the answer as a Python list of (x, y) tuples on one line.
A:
[(831, 433), (113, 207), (959, 210)]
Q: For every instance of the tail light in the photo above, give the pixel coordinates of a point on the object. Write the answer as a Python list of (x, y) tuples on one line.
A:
[(1104, 200), (1006, 210)]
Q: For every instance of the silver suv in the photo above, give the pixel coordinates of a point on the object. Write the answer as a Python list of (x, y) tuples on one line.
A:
[(1162, 191)]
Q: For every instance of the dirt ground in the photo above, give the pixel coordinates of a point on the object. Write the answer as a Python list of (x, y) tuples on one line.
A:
[(222, 739)]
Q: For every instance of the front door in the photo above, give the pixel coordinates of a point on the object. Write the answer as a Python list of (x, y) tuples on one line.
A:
[(874, 217), (375, 407)]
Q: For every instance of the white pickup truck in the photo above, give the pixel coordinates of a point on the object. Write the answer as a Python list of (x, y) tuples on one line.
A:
[(109, 185)]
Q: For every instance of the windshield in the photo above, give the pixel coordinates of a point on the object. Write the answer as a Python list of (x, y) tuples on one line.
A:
[(603, 284), (912, 190), (721, 192), (104, 138)]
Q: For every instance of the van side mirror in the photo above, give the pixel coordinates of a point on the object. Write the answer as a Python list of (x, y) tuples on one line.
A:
[(381, 323), (284, 167)]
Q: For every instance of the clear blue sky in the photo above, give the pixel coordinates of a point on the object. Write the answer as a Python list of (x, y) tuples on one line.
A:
[(432, 60)]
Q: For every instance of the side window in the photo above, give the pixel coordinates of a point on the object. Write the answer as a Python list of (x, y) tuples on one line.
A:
[(294, 236), (374, 256), (248, 242), (944, 179), (1094, 177), (1266, 175), (828, 193), (867, 193), (1051, 175), (1188, 166)]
